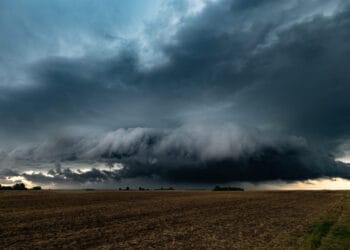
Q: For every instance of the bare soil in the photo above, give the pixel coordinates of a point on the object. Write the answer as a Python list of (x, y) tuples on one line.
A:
[(161, 219)]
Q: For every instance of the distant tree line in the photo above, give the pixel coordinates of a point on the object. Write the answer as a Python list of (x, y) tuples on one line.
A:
[(18, 186), (167, 188), (218, 188), (145, 189)]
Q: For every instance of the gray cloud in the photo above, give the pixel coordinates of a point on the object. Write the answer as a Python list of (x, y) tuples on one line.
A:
[(303, 80), (210, 59)]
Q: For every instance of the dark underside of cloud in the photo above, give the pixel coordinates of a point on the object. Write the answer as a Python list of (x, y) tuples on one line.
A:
[(273, 68), (185, 155)]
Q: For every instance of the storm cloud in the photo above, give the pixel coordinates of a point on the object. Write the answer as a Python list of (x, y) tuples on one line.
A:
[(191, 154), (207, 91)]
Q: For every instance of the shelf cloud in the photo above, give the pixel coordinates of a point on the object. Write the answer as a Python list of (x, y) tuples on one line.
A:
[(191, 154)]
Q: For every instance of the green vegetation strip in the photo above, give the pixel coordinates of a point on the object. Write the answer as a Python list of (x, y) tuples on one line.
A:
[(342, 232), (333, 231), (339, 236), (319, 231)]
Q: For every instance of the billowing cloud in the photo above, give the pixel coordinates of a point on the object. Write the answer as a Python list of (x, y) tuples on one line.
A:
[(194, 154)]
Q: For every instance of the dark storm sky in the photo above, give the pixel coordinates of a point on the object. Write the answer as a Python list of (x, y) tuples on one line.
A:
[(198, 91)]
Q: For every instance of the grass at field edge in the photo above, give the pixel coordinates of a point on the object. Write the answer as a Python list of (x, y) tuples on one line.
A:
[(332, 231)]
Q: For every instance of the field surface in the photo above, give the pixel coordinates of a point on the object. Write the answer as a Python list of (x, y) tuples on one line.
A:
[(174, 220)]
